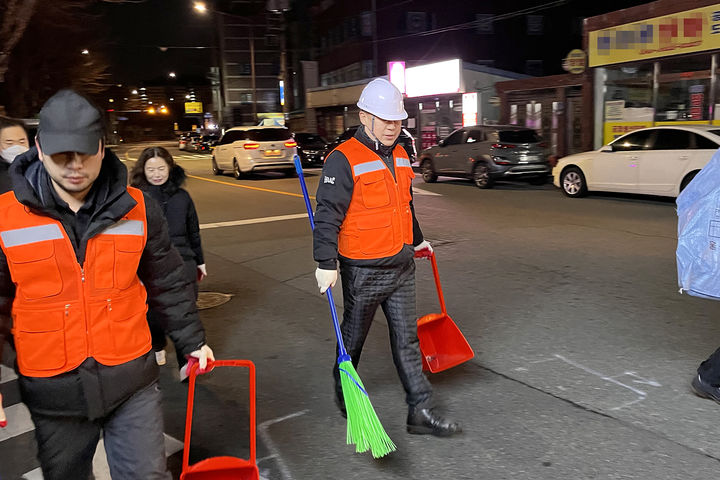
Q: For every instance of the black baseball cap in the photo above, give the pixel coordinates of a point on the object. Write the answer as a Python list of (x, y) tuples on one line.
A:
[(69, 123)]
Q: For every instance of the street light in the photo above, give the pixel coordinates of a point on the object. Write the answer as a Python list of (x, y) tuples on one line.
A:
[(171, 74), (85, 51), (200, 7)]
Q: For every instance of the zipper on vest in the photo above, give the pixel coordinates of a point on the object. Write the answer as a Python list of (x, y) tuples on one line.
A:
[(67, 310), (82, 274), (109, 305)]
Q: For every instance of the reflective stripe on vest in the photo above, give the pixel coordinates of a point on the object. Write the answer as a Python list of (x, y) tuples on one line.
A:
[(64, 312), (378, 221)]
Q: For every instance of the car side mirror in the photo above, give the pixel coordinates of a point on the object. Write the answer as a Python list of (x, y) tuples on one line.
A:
[(442, 143), (606, 148)]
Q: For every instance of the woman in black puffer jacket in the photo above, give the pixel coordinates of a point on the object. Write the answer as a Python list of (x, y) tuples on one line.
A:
[(157, 174)]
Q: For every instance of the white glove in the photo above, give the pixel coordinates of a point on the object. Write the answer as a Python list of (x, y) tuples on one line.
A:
[(203, 355), (202, 272), (424, 245), (325, 279)]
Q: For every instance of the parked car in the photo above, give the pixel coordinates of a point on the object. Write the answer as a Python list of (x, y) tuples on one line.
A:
[(311, 148), (405, 139), (653, 161), (185, 142), (206, 143), (487, 153), (243, 150)]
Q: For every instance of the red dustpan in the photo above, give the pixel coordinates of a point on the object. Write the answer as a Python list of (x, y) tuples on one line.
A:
[(441, 342), (220, 468)]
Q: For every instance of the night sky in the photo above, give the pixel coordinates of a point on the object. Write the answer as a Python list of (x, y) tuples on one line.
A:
[(136, 30)]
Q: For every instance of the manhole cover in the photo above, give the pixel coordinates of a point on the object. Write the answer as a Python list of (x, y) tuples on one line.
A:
[(211, 299)]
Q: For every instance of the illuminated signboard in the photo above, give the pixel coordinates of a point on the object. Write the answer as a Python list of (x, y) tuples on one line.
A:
[(396, 73), (469, 109), (193, 107), (433, 79), (690, 31)]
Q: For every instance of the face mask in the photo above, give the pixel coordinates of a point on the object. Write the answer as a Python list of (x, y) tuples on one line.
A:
[(10, 153)]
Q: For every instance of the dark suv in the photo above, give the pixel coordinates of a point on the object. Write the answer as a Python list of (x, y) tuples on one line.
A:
[(486, 153), (405, 139)]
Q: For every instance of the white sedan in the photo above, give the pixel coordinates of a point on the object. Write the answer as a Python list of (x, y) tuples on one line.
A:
[(652, 161)]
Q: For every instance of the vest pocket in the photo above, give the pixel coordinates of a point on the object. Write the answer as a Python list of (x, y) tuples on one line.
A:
[(128, 323), (40, 339), (128, 252), (35, 270), (375, 233), (374, 190)]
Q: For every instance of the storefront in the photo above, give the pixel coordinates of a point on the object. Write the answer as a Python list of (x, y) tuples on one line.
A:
[(655, 64), (440, 97)]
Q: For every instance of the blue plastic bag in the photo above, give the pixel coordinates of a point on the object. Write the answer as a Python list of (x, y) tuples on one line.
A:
[(698, 250)]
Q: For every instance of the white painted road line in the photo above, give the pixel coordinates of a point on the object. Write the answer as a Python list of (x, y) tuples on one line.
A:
[(274, 453), (7, 374), (252, 221), (419, 191), (18, 422)]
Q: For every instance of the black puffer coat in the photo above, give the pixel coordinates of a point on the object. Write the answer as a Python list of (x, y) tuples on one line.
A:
[(93, 389), (180, 213)]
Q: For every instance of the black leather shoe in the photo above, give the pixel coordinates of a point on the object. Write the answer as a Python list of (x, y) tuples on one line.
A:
[(703, 389), (424, 421), (340, 402)]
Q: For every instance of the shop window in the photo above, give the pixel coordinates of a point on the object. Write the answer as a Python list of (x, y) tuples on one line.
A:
[(513, 115), (628, 93), (484, 23), (684, 89), (534, 24), (533, 115)]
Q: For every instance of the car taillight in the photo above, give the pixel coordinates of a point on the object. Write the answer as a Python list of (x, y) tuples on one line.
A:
[(251, 146), (503, 145), (291, 144)]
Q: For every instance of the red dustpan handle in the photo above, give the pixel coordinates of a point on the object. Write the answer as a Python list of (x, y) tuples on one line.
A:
[(426, 253), (193, 370)]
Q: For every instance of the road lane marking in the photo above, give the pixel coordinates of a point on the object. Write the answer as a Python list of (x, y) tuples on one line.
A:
[(420, 191), (18, 422), (7, 374), (279, 192), (252, 221), (267, 441)]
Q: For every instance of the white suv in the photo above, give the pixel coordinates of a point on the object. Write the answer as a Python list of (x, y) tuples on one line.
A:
[(244, 150)]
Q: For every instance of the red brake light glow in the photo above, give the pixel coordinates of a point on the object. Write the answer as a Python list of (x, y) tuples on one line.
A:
[(503, 145), (291, 144), (251, 146)]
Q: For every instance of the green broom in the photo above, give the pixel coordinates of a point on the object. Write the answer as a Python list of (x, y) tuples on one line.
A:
[(363, 425)]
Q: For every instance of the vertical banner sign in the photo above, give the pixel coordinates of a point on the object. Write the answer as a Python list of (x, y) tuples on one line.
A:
[(697, 98), (469, 109)]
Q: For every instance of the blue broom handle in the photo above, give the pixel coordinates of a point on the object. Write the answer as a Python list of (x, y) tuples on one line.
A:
[(336, 323)]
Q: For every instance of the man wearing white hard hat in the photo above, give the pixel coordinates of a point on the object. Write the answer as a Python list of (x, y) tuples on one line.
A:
[(365, 221)]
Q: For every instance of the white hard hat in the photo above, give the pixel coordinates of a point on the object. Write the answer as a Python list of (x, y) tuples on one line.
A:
[(382, 99)]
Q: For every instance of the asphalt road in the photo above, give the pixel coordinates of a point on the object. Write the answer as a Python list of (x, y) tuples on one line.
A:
[(584, 348)]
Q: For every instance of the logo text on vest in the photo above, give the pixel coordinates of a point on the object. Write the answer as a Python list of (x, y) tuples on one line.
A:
[(330, 180)]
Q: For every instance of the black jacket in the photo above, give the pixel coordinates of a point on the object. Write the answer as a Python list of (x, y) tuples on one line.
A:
[(5, 183), (333, 200), (94, 390), (180, 213)]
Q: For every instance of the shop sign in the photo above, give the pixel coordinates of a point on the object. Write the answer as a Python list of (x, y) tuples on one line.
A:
[(193, 107), (697, 97), (469, 109), (690, 31), (614, 130), (575, 61), (433, 79), (396, 73)]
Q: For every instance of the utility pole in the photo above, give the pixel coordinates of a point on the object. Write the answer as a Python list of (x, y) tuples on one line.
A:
[(373, 7), (252, 73)]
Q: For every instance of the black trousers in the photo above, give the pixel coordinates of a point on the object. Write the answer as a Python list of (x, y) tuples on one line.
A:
[(709, 370), (364, 290)]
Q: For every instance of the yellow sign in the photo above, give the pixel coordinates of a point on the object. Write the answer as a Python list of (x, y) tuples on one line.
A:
[(575, 61), (690, 31), (614, 130), (193, 107)]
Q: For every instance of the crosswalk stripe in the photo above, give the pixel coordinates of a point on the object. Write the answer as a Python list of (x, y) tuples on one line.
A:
[(7, 374), (251, 221), (101, 469), (18, 422)]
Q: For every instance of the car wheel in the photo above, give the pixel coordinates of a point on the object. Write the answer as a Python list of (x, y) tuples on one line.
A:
[(572, 182), (428, 174), (481, 176), (237, 173), (215, 169), (688, 178)]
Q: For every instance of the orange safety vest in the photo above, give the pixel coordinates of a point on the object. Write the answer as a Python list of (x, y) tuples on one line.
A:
[(378, 221), (63, 312)]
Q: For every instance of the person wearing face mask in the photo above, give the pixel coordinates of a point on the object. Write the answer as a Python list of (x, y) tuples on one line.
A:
[(13, 142), (365, 220), (157, 174)]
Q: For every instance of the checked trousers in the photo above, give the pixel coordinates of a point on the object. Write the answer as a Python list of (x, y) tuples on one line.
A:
[(393, 289)]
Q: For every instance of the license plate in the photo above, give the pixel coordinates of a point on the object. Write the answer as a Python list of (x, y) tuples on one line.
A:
[(273, 153)]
